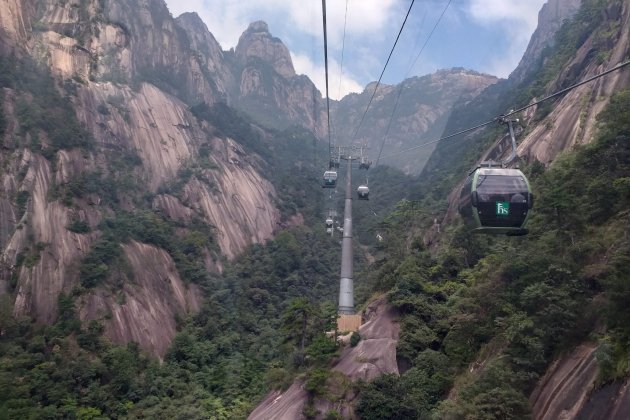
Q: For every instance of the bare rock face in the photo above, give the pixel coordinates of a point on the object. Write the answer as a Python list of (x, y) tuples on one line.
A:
[(566, 391), (15, 23), (130, 69), (144, 310), (257, 77), (53, 253), (574, 118), (123, 43), (267, 86), (239, 205), (211, 57), (257, 43), (550, 18), (564, 388), (374, 355)]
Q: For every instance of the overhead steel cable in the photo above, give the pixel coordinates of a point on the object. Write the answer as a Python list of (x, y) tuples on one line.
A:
[(343, 47), (383, 72), (560, 92), (391, 118), (500, 117), (326, 66)]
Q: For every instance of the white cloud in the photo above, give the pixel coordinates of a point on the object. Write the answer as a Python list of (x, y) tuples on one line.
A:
[(492, 11), (337, 88), (517, 20)]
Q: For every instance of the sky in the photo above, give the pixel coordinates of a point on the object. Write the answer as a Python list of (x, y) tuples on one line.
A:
[(489, 36)]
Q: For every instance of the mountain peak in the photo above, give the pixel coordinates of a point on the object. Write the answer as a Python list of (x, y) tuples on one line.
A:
[(257, 42), (258, 26)]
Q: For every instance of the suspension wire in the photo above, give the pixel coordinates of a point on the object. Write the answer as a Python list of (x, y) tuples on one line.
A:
[(383, 72), (343, 46), (503, 116), (326, 65), (553, 95), (391, 118)]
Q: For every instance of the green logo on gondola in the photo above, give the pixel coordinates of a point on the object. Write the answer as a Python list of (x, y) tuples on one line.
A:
[(503, 208)]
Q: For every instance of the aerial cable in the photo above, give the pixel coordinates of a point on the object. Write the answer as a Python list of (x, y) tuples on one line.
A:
[(391, 118), (502, 117), (428, 38), (343, 46), (326, 66), (383, 72), (553, 95)]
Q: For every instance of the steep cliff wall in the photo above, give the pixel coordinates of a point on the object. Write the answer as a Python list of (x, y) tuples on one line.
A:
[(124, 42), (573, 119), (213, 59), (15, 23), (550, 18), (267, 86), (125, 72), (144, 311)]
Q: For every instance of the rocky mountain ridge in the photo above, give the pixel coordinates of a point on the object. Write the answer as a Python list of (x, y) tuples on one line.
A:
[(424, 105)]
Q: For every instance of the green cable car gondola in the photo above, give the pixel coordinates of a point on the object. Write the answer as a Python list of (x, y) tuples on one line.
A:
[(496, 200)]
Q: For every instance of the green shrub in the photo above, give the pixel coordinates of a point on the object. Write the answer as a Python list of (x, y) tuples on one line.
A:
[(354, 339)]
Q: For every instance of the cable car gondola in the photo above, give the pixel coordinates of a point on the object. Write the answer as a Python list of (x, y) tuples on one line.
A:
[(330, 179), (363, 192), (496, 200), (329, 222)]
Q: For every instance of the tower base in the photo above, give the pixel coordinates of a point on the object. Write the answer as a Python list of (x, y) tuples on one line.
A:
[(348, 323)]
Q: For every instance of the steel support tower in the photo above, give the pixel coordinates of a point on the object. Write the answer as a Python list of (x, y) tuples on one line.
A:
[(346, 286)]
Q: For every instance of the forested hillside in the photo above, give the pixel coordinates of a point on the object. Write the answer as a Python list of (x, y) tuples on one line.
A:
[(482, 320)]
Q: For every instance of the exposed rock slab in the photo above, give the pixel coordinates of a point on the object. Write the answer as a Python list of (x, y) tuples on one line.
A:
[(550, 19), (573, 120), (563, 390), (55, 254), (373, 356), (287, 405), (14, 22), (144, 310), (611, 402)]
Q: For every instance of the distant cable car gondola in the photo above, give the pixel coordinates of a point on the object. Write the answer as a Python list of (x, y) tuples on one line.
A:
[(363, 192), (329, 222), (330, 179), (496, 200)]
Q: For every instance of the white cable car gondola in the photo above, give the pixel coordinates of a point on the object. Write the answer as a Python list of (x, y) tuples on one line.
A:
[(363, 192), (330, 179)]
